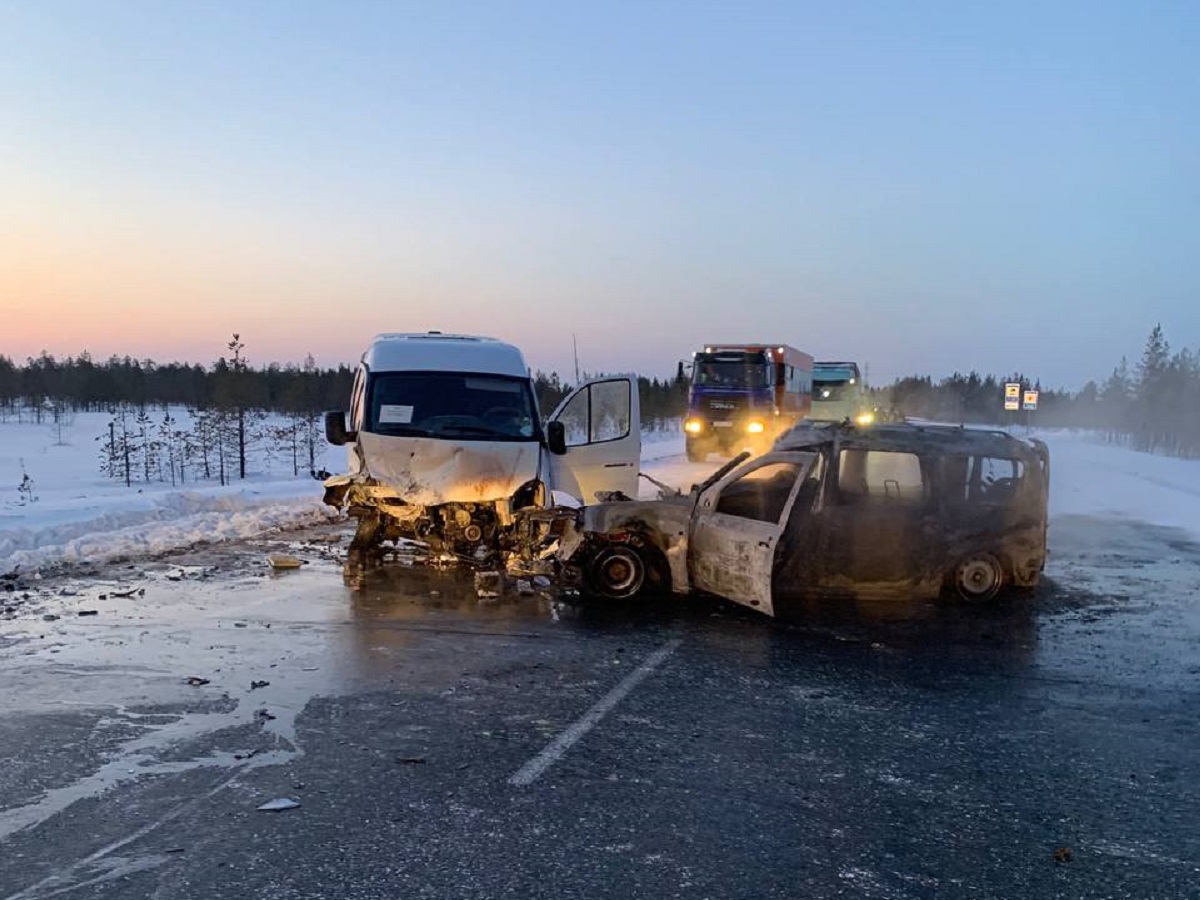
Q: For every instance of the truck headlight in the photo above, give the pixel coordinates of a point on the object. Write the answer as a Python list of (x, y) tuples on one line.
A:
[(865, 418), (755, 427), (693, 426)]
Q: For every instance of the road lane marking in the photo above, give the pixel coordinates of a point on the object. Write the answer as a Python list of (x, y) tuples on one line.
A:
[(557, 748)]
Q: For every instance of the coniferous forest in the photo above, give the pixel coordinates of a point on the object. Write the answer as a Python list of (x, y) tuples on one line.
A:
[(233, 407)]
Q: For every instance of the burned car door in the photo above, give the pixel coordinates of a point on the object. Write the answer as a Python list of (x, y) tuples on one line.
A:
[(881, 531), (601, 425), (736, 528)]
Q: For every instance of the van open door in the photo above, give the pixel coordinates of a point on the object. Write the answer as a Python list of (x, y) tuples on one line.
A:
[(601, 425), (737, 526)]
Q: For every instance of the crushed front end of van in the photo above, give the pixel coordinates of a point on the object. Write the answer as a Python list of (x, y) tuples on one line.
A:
[(446, 445)]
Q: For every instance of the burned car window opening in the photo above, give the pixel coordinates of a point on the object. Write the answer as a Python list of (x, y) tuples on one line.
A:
[(992, 480), (760, 494), (880, 477), (450, 406)]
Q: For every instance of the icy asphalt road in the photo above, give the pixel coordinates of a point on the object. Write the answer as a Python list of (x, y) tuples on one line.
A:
[(442, 747)]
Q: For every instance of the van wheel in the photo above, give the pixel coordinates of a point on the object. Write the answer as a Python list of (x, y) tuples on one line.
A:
[(617, 572), (979, 577)]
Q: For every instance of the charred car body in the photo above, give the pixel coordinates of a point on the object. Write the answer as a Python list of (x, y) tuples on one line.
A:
[(447, 445), (834, 511)]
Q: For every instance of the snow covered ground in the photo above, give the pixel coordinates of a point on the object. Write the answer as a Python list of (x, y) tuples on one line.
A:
[(73, 513), (78, 514)]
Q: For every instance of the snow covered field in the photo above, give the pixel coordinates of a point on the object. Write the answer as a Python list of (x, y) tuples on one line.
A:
[(74, 513)]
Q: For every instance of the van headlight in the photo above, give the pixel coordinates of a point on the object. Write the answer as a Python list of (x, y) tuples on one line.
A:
[(755, 427), (693, 426), (865, 418)]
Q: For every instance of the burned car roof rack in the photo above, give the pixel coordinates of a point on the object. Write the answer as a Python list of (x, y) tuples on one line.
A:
[(899, 435)]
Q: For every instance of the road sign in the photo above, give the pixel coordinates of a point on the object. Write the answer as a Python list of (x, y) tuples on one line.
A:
[(1012, 397), (1031, 399)]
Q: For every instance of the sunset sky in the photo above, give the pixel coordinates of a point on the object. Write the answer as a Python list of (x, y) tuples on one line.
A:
[(924, 187)]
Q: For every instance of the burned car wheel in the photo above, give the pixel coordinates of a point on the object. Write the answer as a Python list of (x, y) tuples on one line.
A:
[(616, 572), (979, 577)]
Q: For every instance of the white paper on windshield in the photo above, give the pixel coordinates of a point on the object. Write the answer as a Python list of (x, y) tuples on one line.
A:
[(395, 415)]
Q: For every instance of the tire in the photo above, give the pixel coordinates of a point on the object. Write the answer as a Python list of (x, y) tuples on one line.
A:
[(696, 454), (616, 572), (978, 577)]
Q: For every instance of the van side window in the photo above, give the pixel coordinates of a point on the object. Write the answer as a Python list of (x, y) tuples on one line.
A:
[(599, 412), (761, 494), (992, 479), (879, 477)]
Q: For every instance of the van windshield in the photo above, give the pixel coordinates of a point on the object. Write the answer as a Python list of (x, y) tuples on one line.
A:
[(450, 406)]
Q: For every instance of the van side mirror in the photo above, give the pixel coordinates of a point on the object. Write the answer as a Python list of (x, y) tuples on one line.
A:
[(335, 429), (556, 438)]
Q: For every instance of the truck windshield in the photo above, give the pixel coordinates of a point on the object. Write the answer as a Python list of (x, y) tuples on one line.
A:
[(450, 406), (732, 374), (833, 390)]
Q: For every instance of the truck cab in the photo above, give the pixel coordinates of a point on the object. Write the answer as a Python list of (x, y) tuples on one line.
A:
[(744, 396), (840, 394), (446, 444)]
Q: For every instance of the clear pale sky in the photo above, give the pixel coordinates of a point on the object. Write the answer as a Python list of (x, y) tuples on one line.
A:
[(921, 186)]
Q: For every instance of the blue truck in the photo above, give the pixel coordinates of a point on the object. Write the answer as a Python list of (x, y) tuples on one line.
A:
[(743, 396)]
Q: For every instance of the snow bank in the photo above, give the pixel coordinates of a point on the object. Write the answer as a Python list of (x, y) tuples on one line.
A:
[(73, 513), (1094, 478)]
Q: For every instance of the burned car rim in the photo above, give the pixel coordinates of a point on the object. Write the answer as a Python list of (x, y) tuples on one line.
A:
[(979, 577), (617, 572)]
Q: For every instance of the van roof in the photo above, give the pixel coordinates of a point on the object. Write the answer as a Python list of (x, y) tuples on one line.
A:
[(437, 352)]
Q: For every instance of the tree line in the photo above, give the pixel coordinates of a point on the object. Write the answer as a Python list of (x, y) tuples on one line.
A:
[(1153, 406), (44, 384), (179, 423), (83, 384)]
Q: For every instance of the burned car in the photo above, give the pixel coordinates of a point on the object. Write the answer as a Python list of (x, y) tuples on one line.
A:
[(834, 511)]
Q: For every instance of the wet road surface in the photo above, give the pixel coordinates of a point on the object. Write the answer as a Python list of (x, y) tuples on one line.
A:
[(440, 746)]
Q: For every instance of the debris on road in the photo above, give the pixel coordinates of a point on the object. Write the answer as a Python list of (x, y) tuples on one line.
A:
[(1063, 855), (279, 805), (282, 561), (125, 593), (88, 612), (197, 681), (255, 685), (489, 585), (265, 714), (410, 760)]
